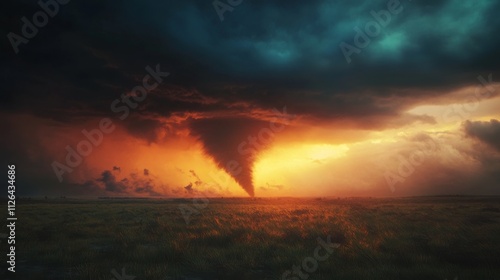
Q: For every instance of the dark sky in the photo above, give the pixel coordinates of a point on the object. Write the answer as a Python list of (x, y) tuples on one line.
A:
[(227, 72)]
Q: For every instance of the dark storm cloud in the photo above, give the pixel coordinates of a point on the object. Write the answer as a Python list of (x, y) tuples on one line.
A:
[(189, 188), (488, 132), (145, 129), (222, 138), (264, 55), (22, 147), (92, 51), (198, 181), (108, 183), (111, 184)]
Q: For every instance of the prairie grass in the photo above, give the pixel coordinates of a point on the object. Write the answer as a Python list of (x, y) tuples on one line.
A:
[(404, 238)]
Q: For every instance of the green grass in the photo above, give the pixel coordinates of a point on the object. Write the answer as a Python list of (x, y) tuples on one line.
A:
[(407, 238)]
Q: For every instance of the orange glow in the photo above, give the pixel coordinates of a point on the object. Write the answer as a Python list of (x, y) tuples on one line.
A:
[(274, 164), (302, 161)]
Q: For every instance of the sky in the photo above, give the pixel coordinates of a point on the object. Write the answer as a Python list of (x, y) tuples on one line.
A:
[(251, 98)]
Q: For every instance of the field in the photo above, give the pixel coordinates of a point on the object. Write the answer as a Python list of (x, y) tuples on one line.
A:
[(243, 238)]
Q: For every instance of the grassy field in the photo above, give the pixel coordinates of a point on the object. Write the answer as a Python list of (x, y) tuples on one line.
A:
[(405, 238)]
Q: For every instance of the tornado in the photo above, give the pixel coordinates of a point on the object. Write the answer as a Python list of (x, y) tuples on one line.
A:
[(221, 138)]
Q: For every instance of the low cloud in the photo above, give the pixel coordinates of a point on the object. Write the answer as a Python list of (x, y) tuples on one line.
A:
[(487, 132)]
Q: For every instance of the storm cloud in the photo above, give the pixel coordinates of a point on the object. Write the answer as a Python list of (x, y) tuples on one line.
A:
[(488, 132), (227, 77)]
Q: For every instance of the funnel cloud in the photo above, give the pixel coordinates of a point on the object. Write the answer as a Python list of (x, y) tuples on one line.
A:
[(223, 140)]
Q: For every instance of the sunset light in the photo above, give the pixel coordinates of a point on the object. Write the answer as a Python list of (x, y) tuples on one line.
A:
[(250, 140)]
